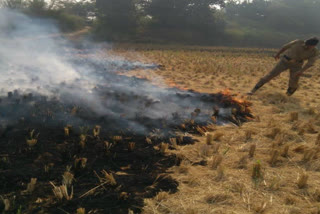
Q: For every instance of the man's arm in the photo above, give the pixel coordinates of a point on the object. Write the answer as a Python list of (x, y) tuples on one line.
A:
[(309, 64), (277, 56), (285, 47)]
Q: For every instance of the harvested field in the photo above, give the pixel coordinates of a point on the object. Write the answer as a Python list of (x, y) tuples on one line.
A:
[(234, 163), (268, 165)]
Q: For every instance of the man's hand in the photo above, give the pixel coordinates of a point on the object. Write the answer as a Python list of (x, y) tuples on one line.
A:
[(277, 57)]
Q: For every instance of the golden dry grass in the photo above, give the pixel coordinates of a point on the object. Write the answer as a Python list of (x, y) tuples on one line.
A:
[(283, 138)]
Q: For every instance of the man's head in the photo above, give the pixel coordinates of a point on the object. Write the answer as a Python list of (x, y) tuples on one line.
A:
[(312, 42)]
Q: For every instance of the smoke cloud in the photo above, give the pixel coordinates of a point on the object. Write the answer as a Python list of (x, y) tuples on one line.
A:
[(34, 58)]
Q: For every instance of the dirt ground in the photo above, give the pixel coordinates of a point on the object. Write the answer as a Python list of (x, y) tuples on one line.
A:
[(269, 165)]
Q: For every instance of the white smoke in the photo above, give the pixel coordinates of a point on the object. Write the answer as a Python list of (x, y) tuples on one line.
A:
[(29, 58), (35, 58)]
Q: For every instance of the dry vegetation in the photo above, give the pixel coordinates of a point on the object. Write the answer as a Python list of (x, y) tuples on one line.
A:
[(269, 165)]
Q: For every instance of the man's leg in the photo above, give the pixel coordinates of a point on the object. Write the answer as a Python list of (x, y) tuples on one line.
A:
[(280, 67), (293, 80)]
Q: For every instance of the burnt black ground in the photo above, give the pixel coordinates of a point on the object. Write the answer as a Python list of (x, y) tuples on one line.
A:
[(140, 173)]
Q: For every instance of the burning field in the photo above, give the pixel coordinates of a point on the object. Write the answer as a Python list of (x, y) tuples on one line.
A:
[(75, 134), (89, 128)]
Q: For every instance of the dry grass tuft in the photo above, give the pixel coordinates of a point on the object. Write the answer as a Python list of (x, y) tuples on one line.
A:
[(273, 133), (275, 183), (290, 200), (205, 150), (309, 127), (293, 116), (302, 180), (61, 192), (80, 163), (279, 139), (248, 135), (311, 111), (238, 187), (242, 163), (191, 211), (216, 161), (96, 131), (163, 147), (81, 211), (31, 186), (66, 131), (108, 178), (209, 139), (173, 142), (296, 125), (300, 149), (161, 196), (183, 168), (316, 195), (149, 141), (285, 151), (215, 148), (220, 173), (317, 142), (218, 199), (274, 157), (117, 139), (192, 181), (131, 146), (261, 208), (252, 150), (257, 174), (123, 196), (33, 139), (308, 155), (67, 178), (201, 130), (217, 136), (6, 203), (301, 131), (108, 147)]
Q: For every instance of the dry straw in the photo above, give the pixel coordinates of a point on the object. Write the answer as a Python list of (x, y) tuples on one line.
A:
[(163, 147), (317, 142), (131, 146), (32, 185), (308, 155), (285, 151), (217, 136), (248, 135), (61, 192), (302, 180), (252, 150), (173, 142), (216, 161), (274, 157), (81, 211), (242, 163), (257, 172), (209, 139), (293, 116)]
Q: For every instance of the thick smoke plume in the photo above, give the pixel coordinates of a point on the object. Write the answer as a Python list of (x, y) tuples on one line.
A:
[(79, 86)]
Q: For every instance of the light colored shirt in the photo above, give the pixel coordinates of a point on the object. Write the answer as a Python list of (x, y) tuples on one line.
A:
[(297, 51)]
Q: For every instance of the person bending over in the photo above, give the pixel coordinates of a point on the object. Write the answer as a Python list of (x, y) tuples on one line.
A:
[(294, 55)]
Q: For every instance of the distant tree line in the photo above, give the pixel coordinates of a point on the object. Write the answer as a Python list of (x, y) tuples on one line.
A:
[(216, 22), (174, 20), (70, 15), (272, 22)]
